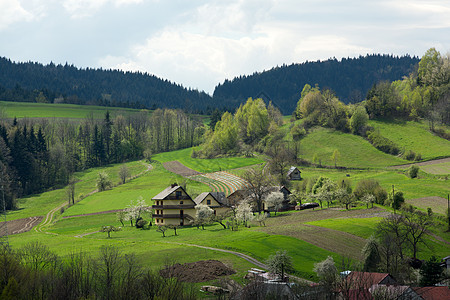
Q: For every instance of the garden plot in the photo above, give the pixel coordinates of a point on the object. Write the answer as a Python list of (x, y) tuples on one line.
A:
[(222, 181)]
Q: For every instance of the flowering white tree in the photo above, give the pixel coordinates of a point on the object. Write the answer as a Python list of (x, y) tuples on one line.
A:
[(244, 213), (274, 200), (203, 215), (134, 210)]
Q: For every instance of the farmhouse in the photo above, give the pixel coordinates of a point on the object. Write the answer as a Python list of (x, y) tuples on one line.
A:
[(215, 200), (286, 205), (294, 174), (173, 206)]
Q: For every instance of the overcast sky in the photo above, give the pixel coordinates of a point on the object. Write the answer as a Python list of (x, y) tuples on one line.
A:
[(199, 43)]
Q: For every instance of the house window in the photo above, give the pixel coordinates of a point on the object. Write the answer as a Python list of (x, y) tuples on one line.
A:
[(178, 194), (208, 202), (181, 202)]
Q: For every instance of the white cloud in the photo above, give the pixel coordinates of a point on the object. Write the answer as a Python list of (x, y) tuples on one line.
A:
[(11, 11), (87, 8)]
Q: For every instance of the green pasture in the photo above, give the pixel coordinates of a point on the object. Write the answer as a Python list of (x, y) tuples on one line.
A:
[(424, 186), (362, 227), (70, 111), (354, 150), (415, 136), (148, 185), (255, 243), (437, 169), (41, 204), (206, 165)]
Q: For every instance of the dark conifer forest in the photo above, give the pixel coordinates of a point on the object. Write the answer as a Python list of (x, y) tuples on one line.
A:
[(349, 78)]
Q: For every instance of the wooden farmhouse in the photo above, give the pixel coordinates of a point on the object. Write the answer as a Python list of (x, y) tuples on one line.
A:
[(294, 174), (215, 200), (173, 206), (286, 205)]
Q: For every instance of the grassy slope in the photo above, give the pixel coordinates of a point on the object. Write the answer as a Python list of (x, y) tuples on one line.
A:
[(412, 188), (413, 136), (206, 165), (41, 204), (354, 150), (147, 186), (70, 111)]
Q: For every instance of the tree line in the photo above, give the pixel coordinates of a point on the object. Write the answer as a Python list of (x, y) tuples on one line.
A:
[(349, 78), (39, 154), (35, 272), (35, 82)]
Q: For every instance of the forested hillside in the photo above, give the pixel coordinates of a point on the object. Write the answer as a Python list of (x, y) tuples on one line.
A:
[(34, 82), (350, 79)]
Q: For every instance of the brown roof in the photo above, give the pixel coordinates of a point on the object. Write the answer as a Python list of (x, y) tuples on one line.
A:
[(367, 279), (433, 292), (167, 191)]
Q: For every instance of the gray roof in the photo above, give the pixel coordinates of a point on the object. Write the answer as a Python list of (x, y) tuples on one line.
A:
[(169, 190), (292, 169), (218, 196)]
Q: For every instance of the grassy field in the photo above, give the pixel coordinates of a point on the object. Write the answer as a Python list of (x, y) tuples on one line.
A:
[(354, 151), (413, 136), (424, 186), (70, 111), (206, 165), (437, 169), (41, 204), (147, 186)]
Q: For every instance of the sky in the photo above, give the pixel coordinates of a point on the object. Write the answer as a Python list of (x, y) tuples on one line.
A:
[(200, 43)]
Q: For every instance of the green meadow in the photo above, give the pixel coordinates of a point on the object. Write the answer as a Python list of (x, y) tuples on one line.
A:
[(355, 151), (206, 165), (61, 111), (414, 136)]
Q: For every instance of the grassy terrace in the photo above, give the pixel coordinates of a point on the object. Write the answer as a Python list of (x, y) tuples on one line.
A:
[(413, 136), (206, 165)]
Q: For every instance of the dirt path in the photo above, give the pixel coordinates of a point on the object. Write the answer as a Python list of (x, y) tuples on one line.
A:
[(180, 169), (241, 255), (425, 163), (49, 216), (85, 234)]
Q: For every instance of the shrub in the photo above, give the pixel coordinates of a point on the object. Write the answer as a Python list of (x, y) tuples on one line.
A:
[(418, 157), (382, 143), (413, 170), (410, 155), (141, 223), (370, 186)]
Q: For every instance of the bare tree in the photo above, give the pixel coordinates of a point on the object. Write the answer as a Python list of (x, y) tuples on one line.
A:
[(124, 173), (259, 185)]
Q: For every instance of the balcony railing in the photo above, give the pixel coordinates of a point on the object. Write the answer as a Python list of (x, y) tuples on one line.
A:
[(181, 197), (179, 206), (169, 216)]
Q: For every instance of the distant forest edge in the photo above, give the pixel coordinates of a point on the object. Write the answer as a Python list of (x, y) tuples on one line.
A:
[(349, 78)]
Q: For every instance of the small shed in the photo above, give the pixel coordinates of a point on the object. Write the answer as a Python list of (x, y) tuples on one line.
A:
[(294, 174)]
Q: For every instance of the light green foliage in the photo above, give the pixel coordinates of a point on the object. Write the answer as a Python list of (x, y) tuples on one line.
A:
[(327, 272), (110, 228), (103, 182), (371, 255), (359, 119), (280, 263), (429, 67), (335, 156), (413, 170)]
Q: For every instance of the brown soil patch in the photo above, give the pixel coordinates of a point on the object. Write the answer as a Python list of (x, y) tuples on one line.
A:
[(178, 168), (199, 271), (425, 163), (21, 225), (437, 204)]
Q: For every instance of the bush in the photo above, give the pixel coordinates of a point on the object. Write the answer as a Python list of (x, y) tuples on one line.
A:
[(370, 186), (410, 155), (413, 170), (418, 157), (382, 143), (141, 223)]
